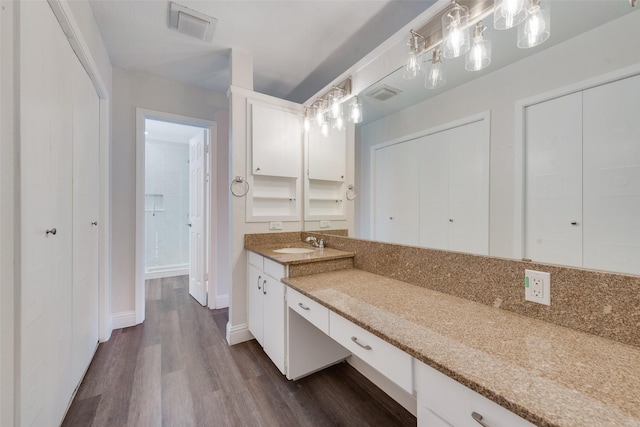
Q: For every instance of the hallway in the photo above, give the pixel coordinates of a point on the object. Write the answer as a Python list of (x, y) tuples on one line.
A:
[(176, 369)]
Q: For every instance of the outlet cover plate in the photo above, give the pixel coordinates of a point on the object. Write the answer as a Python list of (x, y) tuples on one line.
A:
[(275, 225), (537, 286), (325, 224)]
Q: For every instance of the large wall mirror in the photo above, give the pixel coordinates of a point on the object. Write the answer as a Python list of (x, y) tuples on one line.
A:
[(588, 39)]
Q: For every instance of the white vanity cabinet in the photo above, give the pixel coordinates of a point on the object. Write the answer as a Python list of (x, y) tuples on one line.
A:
[(266, 306), (443, 401)]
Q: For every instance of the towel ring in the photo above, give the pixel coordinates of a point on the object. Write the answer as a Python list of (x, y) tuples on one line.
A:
[(352, 192), (245, 186)]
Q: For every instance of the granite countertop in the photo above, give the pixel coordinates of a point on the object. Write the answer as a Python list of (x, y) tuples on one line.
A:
[(547, 374), (317, 255)]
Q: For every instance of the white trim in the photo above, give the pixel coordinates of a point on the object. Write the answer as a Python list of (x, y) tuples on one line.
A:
[(483, 116), (238, 333), (124, 319), (257, 96), (221, 301), (166, 273), (141, 115), (519, 128)]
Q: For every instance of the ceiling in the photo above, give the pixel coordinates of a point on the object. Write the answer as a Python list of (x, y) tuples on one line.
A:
[(297, 46), (157, 130)]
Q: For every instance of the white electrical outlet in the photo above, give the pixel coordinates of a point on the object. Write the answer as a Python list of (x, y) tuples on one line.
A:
[(537, 286), (275, 225), (325, 224)]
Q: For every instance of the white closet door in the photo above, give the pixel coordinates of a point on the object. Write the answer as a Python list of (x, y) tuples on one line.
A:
[(553, 181), (469, 187), (396, 190), (612, 177), (46, 201), (434, 191), (86, 163)]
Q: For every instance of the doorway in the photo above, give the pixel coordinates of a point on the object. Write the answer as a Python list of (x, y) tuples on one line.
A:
[(173, 202)]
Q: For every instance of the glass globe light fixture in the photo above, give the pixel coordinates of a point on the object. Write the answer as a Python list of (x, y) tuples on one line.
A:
[(536, 29), (479, 56), (455, 31), (508, 13), (435, 71)]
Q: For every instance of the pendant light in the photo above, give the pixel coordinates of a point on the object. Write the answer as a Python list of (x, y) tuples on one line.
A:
[(320, 107), (537, 27), (355, 110), (335, 103), (455, 31), (414, 68), (508, 13), (306, 121), (479, 56), (435, 71)]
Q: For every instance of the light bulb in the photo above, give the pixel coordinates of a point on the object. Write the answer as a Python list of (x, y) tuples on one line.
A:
[(508, 13), (455, 31), (536, 28), (414, 67), (324, 129), (335, 103), (355, 110), (479, 55), (320, 106), (435, 74)]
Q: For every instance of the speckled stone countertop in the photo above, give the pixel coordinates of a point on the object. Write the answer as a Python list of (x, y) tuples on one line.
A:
[(317, 255), (547, 374)]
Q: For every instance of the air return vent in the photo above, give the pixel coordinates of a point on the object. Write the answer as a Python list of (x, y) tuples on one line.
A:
[(192, 23), (383, 93)]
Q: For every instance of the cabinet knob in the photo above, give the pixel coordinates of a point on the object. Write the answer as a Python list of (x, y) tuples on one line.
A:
[(574, 222), (450, 219), (95, 223), (390, 217), (52, 231), (257, 169)]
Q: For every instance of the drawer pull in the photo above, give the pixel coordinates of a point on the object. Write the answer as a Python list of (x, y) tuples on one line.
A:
[(355, 340), (259, 287), (264, 287), (304, 307), (478, 418)]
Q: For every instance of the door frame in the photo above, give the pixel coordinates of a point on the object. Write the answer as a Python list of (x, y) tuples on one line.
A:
[(143, 114)]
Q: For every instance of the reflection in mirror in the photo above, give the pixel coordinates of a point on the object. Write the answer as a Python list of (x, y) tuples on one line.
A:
[(588, 40)]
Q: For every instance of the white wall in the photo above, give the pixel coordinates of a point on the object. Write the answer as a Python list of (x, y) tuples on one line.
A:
[(133, 89), (610, 47)]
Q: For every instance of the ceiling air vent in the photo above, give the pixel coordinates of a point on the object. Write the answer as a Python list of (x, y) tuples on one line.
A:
[(383, 93), (192, 23)]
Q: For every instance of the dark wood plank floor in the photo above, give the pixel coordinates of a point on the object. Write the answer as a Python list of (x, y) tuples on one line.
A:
[(176, 369)]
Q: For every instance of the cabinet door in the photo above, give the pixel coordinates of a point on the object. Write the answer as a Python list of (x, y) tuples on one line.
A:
[(255, 297), (327, 155), (396, 201), (274, 324), (612, 177), (553, 181), (276, 140), (468, 194)]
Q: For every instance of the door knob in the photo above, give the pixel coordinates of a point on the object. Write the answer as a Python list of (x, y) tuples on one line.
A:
[(52, 231), (94, 223), (450, 219), (189, 224)]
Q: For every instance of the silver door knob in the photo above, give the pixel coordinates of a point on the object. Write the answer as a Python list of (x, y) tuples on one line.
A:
[(52, 231), (450, 219), (189, 224)]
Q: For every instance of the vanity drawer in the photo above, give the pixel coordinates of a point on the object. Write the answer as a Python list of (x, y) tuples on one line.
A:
[(316, 314), (455, 403), (273, 269), (256, 260), (390, 361)]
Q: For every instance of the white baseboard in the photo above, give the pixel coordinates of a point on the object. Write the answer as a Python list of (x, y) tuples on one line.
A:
[(167, 273), (124, 319), (407, 400), (238, 333), (220, 301)]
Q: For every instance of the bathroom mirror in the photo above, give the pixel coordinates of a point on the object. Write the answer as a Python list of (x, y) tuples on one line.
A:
[(588, 39)]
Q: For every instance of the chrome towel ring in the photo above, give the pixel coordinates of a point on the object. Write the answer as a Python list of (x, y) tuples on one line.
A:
[(242, 191)]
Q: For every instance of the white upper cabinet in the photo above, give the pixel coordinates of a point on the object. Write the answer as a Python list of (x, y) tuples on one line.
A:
[(276, 140), (327, 156)]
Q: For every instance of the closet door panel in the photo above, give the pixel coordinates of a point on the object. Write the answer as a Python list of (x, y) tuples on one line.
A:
[(469, 187), (86, 130), (396, 194), (434, 191), (553, 181), (612, 177)]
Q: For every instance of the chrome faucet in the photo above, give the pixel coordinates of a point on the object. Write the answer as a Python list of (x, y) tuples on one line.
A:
[(315, 242)]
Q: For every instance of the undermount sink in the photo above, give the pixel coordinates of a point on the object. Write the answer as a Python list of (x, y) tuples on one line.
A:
[(293, 250)]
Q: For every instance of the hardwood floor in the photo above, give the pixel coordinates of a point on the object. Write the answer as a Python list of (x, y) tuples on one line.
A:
[(176, 369)]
